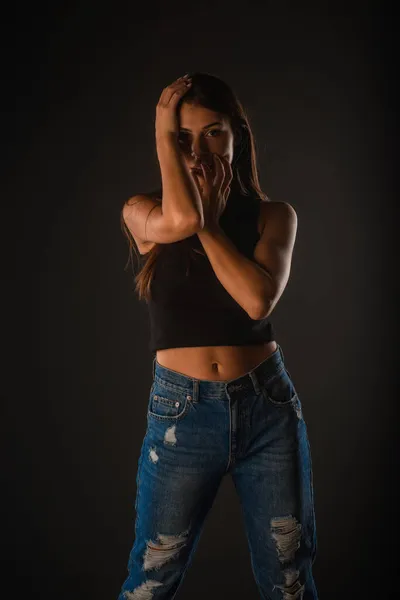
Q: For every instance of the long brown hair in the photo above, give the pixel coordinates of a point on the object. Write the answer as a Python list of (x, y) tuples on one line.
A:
[(208, 91)]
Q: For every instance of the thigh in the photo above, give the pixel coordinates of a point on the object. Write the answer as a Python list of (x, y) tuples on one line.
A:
[(274, 482), (181, 463), (179, 472)]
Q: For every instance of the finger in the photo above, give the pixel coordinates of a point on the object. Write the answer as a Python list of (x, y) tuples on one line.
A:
[(175, 90), (173, 95), (219, 168), (197, 182), (219, 173), (228, 175), (207, 175), (226, 194), (228, 167)]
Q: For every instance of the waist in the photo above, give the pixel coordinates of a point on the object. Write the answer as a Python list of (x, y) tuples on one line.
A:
[(215, 363), (268, 365)]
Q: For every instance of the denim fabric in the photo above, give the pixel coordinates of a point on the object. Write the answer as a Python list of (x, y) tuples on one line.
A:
[(198, 431)]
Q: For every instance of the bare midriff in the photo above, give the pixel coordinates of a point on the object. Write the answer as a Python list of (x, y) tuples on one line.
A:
[(215, 363)]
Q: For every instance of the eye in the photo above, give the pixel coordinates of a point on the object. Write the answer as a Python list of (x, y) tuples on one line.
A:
[(216, 131), (182, 137)]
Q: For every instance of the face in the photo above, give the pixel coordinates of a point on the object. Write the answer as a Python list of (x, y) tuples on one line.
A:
[(203, 132)]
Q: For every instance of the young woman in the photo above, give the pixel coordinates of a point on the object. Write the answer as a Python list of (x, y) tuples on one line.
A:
[(216, 258)]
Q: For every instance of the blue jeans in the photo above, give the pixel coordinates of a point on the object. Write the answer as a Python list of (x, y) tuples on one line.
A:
[(198, 431)]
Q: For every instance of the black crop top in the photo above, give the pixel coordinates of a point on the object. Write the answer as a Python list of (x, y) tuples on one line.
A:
[(189, 305)]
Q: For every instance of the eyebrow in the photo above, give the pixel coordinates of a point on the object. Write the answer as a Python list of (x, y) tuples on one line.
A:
[(205, 127)]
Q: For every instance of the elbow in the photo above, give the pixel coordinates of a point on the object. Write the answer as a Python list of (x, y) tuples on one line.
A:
[(267, 301), (262, 311), (190, 225), (198, 223)]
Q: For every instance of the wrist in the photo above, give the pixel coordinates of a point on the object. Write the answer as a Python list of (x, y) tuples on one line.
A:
[(210, 228), (166, 137)]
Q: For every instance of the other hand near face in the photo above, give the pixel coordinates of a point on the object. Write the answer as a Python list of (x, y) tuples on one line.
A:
[(215, 189)]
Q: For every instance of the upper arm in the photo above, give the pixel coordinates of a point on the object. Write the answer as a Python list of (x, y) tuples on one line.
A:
[(147, 223), (274, 250)]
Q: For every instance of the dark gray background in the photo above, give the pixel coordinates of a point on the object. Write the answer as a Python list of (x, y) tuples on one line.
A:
[(79, 129)]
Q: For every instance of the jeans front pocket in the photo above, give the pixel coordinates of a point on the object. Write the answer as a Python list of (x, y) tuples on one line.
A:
[(167, 402), (279, 389)]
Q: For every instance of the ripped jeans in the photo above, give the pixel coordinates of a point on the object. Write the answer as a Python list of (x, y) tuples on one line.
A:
[(198, 431)]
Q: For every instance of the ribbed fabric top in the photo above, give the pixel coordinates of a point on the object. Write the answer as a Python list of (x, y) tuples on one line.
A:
[(189, 305)]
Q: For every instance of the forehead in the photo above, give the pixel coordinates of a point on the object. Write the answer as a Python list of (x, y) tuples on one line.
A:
[(192, 116)]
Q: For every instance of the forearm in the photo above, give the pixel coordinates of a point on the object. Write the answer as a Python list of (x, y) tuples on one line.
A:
[(181, 198), (248, 284)]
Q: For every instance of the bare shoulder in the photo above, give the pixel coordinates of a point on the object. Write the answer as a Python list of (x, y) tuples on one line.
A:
[(275, 212), (155, 196), (151, 198), (277, 207), (141, 201)]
